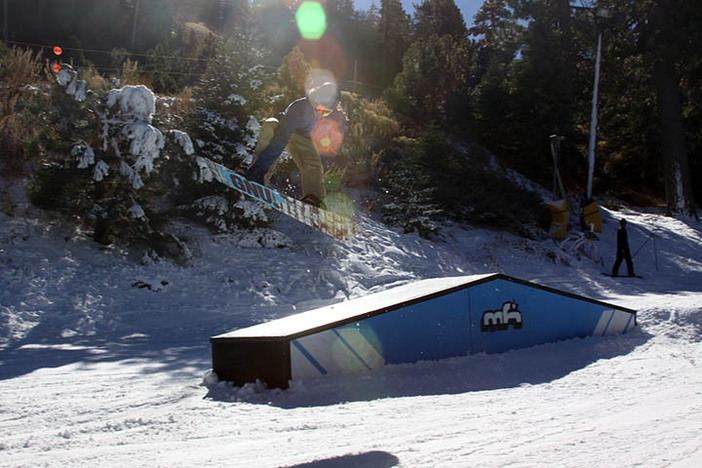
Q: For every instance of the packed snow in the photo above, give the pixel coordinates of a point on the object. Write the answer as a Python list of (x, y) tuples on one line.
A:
[(105, 361)]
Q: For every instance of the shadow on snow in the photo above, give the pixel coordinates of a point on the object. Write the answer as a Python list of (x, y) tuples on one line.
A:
[(373, 459), (177, 358), (474, 373)]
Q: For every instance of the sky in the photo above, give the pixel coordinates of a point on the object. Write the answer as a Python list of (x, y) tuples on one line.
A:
[(468, 7)]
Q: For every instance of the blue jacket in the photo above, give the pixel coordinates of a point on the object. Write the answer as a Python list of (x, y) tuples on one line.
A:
[(300, 118)]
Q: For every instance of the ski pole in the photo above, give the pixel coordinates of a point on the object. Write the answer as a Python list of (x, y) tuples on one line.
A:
[(651, 236)]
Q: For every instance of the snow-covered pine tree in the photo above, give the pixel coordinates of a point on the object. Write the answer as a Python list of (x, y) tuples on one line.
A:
[(224, 129), (95, 157)]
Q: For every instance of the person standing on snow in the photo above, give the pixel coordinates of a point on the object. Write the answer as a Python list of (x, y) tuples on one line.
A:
[(623, 250), (294, 129)]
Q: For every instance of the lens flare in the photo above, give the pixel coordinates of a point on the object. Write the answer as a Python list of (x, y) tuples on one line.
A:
[(58, 50), (311, 20), (325, 53), (353, 350), (317, 77), (57, 68), (327, 137), (340, 203)]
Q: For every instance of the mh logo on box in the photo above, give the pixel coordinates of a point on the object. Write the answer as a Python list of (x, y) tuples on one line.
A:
[(501, 319)]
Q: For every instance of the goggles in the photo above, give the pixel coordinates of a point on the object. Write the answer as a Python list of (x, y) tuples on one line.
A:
[(323, 110)]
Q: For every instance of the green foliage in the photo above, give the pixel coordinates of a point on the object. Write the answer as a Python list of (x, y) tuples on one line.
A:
[(227, 97), (58, 184), (430, 180), (370, 127), (168, 67), (224, 126), (648, 64), (525, 75), (529, 85), (439, 18), (433, 69), (80, 159), (393, 39), (4, 51), (499, 39), (292, 75), (96, 160), (21, 71), (409, 191)]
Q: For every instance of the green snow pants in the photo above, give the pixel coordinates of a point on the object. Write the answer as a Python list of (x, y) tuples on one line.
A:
[(303, 153)]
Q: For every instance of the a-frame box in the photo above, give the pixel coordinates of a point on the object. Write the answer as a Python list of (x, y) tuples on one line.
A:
[(426, 320)]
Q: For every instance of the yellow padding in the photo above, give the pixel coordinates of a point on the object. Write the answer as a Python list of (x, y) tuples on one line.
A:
[(559, 219), (591, 216)]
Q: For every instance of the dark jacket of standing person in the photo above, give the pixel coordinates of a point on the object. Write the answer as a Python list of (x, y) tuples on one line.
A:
[(623, 253)]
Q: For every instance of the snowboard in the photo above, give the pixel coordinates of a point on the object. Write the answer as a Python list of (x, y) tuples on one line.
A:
[(622, 276), (336, 225)]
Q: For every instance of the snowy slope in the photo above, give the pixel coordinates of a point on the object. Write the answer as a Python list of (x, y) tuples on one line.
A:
[(105, 362)]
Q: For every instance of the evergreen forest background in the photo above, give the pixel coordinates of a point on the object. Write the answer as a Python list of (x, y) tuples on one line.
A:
[(434, 104)]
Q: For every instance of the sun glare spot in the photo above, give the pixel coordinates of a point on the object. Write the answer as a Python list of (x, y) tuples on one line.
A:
[(311, 20), (340, 203), (317, 77), (326, 137), (352, 350), (325, 53)]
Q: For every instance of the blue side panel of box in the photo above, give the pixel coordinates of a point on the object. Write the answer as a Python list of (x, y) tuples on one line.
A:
[(492, 316)]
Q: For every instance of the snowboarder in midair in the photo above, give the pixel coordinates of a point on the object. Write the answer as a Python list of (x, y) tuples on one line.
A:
[(623, 252), (309, 125)]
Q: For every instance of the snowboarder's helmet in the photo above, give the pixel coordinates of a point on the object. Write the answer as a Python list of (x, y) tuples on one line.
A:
[(324, 97)]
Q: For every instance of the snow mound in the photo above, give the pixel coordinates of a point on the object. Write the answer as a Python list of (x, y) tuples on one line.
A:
[(675, 322)]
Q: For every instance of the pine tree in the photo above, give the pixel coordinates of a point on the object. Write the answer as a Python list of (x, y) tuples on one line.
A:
[(546, 88), (439, 17), (433, 70), (498, 36), (669, 32), (394, 38), (228, 94), (649, 111)]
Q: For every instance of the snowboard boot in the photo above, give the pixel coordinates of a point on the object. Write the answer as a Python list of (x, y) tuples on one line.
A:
[(312, 200), (254, 174)]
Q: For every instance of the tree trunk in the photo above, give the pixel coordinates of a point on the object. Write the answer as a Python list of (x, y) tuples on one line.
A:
[(676, 166)]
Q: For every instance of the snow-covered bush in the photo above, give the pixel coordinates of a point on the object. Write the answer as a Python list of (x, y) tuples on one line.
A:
[(126, 125), (97, 153), (224, 129), (107, 159), (223, 123), (216, 212)]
